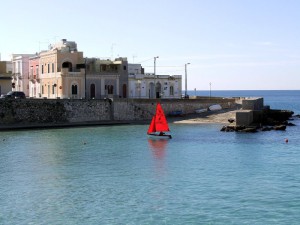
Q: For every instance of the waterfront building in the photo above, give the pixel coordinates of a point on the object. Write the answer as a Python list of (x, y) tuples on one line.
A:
[(34, 79), (148, 85), (106, 78), (20, 72), (60, 71), (5, 77), (63, 72)]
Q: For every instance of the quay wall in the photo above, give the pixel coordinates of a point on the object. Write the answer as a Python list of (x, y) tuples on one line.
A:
[(253, 104), (52, 111)]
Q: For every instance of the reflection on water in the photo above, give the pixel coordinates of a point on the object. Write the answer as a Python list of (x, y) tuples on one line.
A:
[(158, 147)]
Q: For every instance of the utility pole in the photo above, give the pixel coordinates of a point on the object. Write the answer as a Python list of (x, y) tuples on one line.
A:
[(155, 75), (185, 66), (85, 95)]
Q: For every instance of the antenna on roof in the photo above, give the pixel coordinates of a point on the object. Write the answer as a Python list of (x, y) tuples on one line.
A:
[(133, 56), (112, 51)]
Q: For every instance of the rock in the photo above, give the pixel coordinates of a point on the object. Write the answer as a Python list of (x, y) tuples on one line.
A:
[(280, 127), (249, 130), (228, 128), (223, 128), (291, 124), (238, 128), (267, 128), (277, 115), (230, 120)]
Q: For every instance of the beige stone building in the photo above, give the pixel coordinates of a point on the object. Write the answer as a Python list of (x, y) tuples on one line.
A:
[(61, 71), (5, 77)]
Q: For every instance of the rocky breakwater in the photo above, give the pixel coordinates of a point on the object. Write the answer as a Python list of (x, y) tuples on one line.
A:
[(263, 120), (255, 116)]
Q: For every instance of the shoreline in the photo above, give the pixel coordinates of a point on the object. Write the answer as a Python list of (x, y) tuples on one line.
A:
[(213, 117), (210, 117)]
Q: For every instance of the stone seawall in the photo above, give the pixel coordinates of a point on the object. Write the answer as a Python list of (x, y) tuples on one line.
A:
[(52, 111)]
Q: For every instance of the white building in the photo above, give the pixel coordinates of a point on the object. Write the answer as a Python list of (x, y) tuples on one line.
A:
[(152, 86)]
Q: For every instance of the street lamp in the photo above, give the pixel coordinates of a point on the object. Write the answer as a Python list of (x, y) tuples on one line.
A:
[(155, 64), (185, 66), (155, 74), (85, 78)]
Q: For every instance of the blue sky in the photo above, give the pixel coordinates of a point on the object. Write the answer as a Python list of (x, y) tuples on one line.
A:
[(233, 44)]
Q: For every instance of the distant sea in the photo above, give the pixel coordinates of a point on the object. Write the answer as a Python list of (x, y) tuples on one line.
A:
[(116, 175), (277, 99)]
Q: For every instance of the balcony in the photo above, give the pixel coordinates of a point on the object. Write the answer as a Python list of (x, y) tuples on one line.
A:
[(32, 77), (16, 75), (76, 73)]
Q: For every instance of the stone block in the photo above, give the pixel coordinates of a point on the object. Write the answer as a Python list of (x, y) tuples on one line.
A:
[(244, 117)]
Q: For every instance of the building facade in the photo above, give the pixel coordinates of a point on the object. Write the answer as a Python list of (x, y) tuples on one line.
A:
[(34, 79), (63, 72), (153, 86), (5, 77), (20, 72), (106, 78), (58, 72)]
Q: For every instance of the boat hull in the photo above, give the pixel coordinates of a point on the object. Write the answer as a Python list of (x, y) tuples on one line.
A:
[(200, 110), (160, 136), (215, 107)]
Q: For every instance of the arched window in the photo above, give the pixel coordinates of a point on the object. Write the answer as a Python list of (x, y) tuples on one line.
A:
[(110, 89), (158, 90), (93, 91), (67, 65), (171, 90), (74, 89)]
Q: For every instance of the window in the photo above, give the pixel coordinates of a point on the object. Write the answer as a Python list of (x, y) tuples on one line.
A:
[(93, 91), (31, 70), (48, 68), (53, 89), (36, 70), (52, 67), (124, 67), (42, 69), (110, 89), (171, 90), (74, 89), (42, 89)]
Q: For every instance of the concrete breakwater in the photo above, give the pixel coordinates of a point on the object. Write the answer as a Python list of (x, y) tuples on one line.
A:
[(255, 116), (51, 112)]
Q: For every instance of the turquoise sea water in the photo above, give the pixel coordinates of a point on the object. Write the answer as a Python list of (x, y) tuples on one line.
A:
[(116, 175)]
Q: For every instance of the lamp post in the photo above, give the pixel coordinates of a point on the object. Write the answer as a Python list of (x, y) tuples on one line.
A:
[(209, 89), (155, 74), (85, 78), (185, 66)]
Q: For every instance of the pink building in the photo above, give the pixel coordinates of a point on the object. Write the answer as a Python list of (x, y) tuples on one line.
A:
[(34, 80)]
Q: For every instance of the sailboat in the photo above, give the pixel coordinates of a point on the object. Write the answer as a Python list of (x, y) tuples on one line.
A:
[(159, 124)]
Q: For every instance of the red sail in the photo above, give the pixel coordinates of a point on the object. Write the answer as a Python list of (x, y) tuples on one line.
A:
[(160, 119), (152, 126)]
